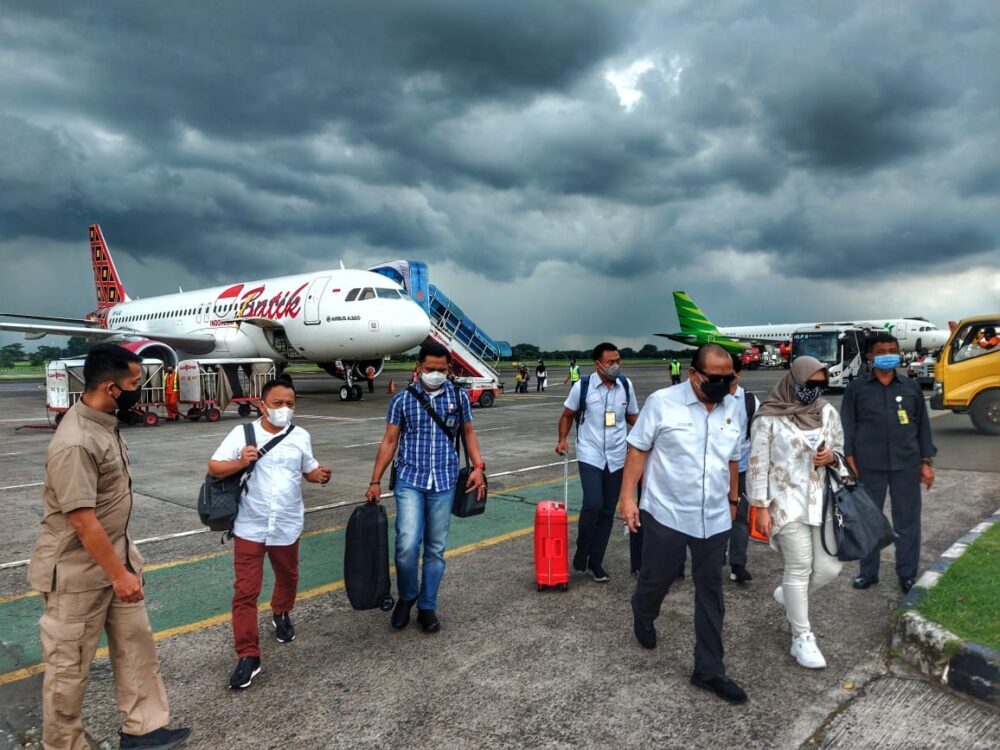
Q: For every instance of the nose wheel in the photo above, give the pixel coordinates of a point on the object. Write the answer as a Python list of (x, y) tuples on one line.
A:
[(350, 392)]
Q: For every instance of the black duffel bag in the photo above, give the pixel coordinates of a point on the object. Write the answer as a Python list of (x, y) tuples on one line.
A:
[(466, 503), (366, 558), (859, 527)]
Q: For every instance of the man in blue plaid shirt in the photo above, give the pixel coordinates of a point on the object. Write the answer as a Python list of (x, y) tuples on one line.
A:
[(427, 467)]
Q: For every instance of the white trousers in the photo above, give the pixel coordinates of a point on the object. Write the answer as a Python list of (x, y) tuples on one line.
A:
[(807, 569)]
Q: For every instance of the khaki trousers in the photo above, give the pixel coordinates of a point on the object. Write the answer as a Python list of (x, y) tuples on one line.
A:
[(71, 628)]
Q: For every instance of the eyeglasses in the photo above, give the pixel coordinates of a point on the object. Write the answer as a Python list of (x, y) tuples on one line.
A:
[(727, 379)]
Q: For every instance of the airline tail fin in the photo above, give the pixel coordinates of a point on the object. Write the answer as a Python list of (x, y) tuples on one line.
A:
[(107, 283), (691, 318)]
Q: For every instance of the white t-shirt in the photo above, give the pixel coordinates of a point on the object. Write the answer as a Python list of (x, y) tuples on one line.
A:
[(597, 443), (271, 510)]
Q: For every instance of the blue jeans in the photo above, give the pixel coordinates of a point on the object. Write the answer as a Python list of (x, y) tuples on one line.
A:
[(421, 516)]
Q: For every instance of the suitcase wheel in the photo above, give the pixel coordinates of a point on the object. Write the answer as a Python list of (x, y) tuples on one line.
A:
[(386, 604), (564, 587), (541, 587)]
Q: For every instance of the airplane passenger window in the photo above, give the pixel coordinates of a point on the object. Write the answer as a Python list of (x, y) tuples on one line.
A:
[(368, 293), (352, 295), (387, 293)]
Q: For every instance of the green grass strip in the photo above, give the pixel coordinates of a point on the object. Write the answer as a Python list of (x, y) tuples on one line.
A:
[(967, 598)]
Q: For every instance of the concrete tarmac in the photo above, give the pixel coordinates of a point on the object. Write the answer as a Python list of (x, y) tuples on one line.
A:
[(512, 667)]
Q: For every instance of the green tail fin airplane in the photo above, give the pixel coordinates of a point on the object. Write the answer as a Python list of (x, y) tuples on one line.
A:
[(696, 328)]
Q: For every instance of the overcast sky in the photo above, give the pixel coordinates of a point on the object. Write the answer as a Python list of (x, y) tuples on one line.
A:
[(561, 166)]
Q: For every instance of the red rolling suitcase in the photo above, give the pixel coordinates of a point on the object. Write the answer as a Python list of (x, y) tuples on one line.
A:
[(552, 539)]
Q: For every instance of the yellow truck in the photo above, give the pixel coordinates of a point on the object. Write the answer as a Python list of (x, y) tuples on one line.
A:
[(967, 373)]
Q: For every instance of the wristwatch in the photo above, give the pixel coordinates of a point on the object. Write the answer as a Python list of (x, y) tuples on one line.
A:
[(928, 461), (479, 466), (734, 502)]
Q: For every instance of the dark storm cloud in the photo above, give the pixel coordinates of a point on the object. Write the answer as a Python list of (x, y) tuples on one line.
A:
[(832, 140)]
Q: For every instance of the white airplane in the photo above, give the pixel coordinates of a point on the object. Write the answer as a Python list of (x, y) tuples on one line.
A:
[(914, 334), (344, 320)]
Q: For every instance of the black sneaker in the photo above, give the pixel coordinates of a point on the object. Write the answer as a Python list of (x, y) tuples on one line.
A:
[(740, 574), (158, 739), (283, 629), (246, 669), (428, 620), (722, 687), (863, 582), (401, 614), (580, 562), (599, 573)]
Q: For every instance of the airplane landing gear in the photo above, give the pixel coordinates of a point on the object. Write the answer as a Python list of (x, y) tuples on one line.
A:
[(350, 391)]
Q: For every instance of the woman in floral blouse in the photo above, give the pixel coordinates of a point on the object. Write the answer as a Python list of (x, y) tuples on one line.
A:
[(795, 435)]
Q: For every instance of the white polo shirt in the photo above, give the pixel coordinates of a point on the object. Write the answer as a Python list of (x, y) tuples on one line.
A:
[(271, 510), (597, 443), (686, 482)]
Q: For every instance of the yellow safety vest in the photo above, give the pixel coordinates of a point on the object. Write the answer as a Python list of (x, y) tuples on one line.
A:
[(574, 373), (675, 368)]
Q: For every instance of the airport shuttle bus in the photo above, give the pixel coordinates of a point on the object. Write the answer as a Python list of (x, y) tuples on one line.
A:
[(840, 348)]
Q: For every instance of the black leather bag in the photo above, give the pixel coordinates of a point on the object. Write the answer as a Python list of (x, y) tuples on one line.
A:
[(366, 558), (219, 499), (859, 527)]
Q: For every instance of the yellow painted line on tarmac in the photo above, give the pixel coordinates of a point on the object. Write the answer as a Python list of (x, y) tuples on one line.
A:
[(220, 619)]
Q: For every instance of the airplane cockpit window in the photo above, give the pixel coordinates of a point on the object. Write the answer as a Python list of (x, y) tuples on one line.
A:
[(387, 293), (353, 295), (368, 293)]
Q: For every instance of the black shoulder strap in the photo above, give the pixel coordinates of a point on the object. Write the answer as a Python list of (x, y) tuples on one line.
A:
[(430, 410), (582, 411), (248, 433), (750, 404), (269, 446), (628, 392)]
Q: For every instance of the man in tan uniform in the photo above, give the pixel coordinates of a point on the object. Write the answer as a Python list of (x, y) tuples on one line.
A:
[(88, 570)]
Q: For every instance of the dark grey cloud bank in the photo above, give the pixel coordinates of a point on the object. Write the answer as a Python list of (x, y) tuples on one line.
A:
[(826, 141)]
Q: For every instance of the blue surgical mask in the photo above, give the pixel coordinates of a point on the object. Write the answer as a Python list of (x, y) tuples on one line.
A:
[(887, 361)]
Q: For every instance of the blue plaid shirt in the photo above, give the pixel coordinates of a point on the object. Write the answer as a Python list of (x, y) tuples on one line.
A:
[(426, 457)]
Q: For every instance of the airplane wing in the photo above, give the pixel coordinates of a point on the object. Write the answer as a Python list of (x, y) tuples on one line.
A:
[(195, 343), (55, 319)]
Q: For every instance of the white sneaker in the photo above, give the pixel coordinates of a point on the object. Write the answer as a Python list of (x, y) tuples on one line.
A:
[(806, 652), (779, 595)]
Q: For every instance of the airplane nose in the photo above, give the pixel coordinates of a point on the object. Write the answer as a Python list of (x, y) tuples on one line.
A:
[(412, 325)]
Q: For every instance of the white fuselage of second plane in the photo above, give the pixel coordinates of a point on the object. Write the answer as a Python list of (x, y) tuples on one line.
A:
[(321, 317), (912, 333)]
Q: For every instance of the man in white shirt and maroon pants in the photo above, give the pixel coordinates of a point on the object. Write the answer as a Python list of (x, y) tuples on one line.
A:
[(686, 447), (269, 521)]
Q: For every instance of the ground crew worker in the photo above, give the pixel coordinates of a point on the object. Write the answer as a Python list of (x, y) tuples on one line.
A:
[(269, 521), (574, 373), (88, 570), (370, 377), (171, 392), (887, 442), (675, 371)]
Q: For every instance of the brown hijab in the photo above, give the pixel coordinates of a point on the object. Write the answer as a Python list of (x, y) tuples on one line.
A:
[(782, 401)]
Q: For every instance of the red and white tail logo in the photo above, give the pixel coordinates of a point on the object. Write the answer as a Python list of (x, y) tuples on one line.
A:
[(106, 280)]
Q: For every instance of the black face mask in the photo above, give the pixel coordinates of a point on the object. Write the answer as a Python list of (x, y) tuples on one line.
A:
[(126, 400), (714, 393)]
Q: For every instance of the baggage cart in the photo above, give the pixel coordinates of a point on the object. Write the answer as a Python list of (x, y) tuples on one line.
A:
[(209, 386), (64, 386)]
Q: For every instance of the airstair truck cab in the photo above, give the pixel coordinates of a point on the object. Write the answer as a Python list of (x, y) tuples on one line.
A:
[(967, 374)]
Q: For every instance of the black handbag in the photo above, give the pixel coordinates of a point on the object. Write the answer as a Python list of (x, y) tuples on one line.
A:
[(859, 527), (465, 503), (219, 499)]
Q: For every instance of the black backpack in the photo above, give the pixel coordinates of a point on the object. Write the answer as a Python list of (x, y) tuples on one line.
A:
[(585, 385), (219, 499)]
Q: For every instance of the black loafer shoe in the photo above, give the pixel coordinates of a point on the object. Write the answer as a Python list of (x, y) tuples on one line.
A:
[(906, 584), (740, 574), (598, 573), (401, 614), (722, 687), (428, 620), (158, 739), (863, 582), (645, 634)]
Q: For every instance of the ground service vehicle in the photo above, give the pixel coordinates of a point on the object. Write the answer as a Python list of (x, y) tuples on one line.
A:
[(967, 374), (840, 348)]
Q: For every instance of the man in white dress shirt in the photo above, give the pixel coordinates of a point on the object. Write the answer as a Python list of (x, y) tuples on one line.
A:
[(686, 447), (269, 520)]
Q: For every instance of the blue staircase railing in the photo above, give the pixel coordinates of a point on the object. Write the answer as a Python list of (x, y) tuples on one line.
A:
[(449, 318)]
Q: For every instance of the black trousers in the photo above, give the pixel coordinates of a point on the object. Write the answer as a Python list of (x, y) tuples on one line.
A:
[(739, 535), (371, 385), (597, 516), (904, 492), (663, 551), (675, 379)]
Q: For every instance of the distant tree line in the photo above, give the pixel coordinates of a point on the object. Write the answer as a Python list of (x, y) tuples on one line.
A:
[(525, 352), (11, 354)]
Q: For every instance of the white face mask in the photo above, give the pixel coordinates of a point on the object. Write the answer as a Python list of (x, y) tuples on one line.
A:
[(433, 380), (280, 417)]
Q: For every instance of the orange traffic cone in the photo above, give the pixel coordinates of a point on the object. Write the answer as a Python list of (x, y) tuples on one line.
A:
[(392, 387)]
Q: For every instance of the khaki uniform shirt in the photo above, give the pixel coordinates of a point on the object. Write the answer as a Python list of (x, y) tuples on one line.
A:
[(86, 466)]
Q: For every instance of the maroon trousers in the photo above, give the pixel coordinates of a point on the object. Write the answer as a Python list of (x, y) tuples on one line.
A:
[(248, 564)]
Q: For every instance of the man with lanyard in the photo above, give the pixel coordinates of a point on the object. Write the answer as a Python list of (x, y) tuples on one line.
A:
[(887, 442), (685, 447), (739, 537), (675, 371), (426, 473), (88, 570), (574, 373), (602, 405)]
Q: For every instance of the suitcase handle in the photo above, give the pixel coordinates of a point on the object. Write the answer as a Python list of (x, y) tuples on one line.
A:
[(556, 547), (566, 479)]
